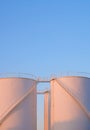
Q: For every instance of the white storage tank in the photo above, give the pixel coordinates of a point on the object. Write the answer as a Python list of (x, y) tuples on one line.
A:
[(18, 104), (70, 103)]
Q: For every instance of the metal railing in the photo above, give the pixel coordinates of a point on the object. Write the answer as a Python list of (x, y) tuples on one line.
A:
[(41, 79)]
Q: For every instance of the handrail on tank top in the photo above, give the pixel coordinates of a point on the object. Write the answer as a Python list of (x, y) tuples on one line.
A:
[(14, 105), (43, 92), (74, 97)]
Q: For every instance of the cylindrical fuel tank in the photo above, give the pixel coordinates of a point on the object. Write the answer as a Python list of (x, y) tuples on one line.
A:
[(70, 103), (18, 104)]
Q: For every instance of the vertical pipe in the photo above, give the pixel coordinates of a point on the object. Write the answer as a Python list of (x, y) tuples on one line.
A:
[(46, 111)]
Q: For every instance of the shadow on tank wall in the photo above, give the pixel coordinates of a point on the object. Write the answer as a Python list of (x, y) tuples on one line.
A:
[(78, 124)]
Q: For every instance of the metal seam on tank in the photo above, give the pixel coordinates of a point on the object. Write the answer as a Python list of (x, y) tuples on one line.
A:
[(14, 105), (74, 97)]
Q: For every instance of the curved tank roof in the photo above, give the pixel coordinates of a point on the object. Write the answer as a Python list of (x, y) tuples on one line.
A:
[(18, 75)]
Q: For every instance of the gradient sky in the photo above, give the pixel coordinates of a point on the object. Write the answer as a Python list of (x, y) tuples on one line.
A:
[(44, 37)]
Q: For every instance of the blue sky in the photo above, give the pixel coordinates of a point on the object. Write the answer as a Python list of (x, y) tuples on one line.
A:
[(44, 37)]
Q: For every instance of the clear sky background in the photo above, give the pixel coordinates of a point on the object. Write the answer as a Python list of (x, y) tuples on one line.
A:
[(44, 37)]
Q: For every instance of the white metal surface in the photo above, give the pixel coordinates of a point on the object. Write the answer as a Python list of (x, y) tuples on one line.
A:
[(46, 111), (17, 104), (70, 103)]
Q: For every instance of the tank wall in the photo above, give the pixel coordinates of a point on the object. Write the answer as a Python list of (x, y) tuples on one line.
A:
[(24, 115), (80, 87), (66, 114)]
